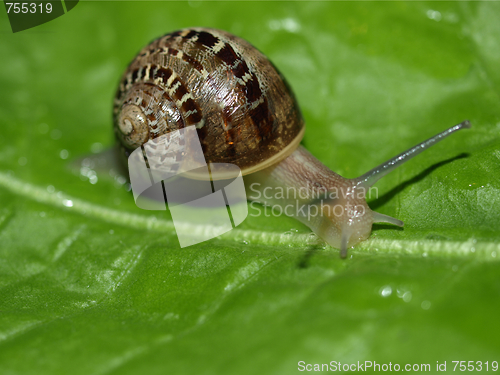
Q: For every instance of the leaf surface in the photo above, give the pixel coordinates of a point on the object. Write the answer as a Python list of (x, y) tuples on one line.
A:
[(91, 284)]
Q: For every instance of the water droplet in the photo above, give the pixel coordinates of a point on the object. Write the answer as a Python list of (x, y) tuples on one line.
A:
[(274, 24), (287, 233), (93, 179), (64, 154), (385, 291), (288, 24), (43, 128), (472, 249), (87, 162), (121, 180), (434, 15), (451, 17), (68, 203), (111, 231), (455, 268), (51, 189), (493, 254), (407, 296), (96, 147), (42, 214), (22, 161), (245, 242), (56, 134), (426, 305)]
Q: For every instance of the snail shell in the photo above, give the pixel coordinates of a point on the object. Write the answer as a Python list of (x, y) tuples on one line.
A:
[(244, 111)]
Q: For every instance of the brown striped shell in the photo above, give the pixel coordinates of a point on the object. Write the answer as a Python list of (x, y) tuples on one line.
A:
[(242, 107)]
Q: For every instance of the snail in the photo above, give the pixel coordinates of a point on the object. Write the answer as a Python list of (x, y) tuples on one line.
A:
[(245, 114)]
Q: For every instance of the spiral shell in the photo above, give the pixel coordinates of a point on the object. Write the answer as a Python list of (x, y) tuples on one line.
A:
[(244, 111)]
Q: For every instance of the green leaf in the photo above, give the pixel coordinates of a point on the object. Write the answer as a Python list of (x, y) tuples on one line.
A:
[(91, 284)]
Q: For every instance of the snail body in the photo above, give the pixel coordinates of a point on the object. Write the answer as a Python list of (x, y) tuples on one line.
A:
[(245, 114)]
